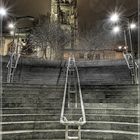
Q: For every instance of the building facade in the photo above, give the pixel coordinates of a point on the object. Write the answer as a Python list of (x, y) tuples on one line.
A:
[(65, 12)]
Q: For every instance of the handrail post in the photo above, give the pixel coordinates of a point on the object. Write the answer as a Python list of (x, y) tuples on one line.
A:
[(76, 89), (132, 65), (66, 133), (79, 132)]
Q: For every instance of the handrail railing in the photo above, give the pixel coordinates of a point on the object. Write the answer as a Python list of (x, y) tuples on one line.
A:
[(64, 97), (63, 119), (132, 65), (12, 65), (137, 73), (81, 98)]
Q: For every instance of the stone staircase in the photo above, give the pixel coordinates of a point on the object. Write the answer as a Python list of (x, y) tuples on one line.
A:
[(32, 112), (34, 71), (101, 75)]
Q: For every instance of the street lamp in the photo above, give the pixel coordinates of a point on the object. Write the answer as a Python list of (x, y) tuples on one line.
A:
[(116, 29), (11, 25), (3, 11), (132, 26), (120, 47), (114, 17), (15, 54), (12, 33)]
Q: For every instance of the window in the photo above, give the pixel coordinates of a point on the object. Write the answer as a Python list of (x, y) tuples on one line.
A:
[(81, 55), (97, 56)]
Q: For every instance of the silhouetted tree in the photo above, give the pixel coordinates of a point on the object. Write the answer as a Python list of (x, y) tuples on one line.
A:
[(49, 34), (98, 38)]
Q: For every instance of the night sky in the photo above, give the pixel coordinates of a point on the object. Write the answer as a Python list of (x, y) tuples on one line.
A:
[(89, 11)]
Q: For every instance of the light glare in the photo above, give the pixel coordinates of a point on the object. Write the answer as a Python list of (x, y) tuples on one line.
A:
[(114, 17), (3, 11), (132, 25), (11, 25), (120, 47), (116, 29), (11, 32), (125, 47)]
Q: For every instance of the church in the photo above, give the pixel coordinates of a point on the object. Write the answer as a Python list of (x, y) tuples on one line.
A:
[(69, 70)]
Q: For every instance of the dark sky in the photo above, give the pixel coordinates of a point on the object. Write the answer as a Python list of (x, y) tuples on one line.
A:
[(89, 11), (28, 7)]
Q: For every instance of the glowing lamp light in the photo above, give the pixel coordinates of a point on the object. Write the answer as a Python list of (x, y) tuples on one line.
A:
[(114, 17), (116, 29), (11, 32), (24, 44), (132, 25), (125, 47), (120, 47), (11, 26), (3, 11)]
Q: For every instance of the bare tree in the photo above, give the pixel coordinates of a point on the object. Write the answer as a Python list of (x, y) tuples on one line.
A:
[(49, 34), (97, 38)]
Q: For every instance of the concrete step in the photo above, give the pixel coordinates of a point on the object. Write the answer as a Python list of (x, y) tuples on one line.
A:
[(36, 100), (91, 98), (119, 74), (117, 92), (24, 86), (30, 104), (119, 111), (76, 117), (33, 112), (44, 125), (60, 134), (47, 103), (111, 105), (121, 106), (105, 117)]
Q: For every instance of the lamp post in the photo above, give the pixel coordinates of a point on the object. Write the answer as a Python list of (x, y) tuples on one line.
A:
[(3, 13), (16, 52), (115, 18)]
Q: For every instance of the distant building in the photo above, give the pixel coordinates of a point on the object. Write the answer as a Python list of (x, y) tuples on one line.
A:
[(65, 12), (9, 43)]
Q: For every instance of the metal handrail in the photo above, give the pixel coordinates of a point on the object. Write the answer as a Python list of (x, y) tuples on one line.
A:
[(137, 72), (126, 59), (12, 65), (134, 66), (81, 98), (11, 59), (63, 119), (64, 97)]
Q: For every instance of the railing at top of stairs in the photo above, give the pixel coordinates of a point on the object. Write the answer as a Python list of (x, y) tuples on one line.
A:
[(71, 66), (133, 66), (13, 62)]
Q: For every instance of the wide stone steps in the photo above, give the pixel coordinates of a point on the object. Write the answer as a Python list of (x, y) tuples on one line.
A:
[(41, 104), (37, 71), (117, 111), (56, 117), (59, 134), (44, 125), (32, 112)]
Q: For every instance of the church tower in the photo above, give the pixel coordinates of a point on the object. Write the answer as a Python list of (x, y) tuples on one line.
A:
[(65, 13)]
